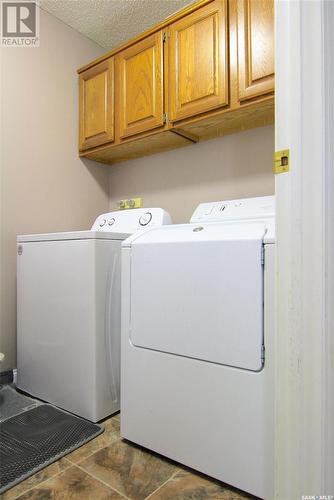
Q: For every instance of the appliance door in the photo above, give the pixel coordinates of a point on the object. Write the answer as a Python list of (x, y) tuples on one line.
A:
[(197, 291)]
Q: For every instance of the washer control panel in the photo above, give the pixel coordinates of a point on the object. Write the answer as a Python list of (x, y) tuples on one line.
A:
[(247, 208), (130, 221)]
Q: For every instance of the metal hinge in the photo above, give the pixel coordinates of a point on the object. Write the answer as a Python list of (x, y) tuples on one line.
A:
[(263, 354), (164, 36), (262, 255), (164, 118)]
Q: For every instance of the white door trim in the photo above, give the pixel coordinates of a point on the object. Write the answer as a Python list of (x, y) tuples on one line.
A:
[(328, 16), (305, 250)]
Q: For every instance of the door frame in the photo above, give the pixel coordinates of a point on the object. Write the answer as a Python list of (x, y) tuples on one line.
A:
[(304, 348)]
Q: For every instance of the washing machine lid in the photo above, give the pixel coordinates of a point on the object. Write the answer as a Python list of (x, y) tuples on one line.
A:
[(197, 291), (73, 235)]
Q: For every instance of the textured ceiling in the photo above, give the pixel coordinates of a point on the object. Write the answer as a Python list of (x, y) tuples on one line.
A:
[(112, 22)]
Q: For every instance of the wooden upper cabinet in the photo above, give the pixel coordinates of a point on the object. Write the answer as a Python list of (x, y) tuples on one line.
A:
[(205, 71), (198, 61), (96, 106), (140, 91), (256, 52)]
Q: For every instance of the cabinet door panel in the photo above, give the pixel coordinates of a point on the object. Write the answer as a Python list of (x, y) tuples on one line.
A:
[(198, 62), (97, 105), (140, 93), (255, 24)]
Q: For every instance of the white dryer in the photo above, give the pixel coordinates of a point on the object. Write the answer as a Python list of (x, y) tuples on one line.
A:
[(197, 340), (68, 312)]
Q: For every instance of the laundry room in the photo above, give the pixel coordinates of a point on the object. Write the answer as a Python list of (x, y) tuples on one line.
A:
[(151, 187)]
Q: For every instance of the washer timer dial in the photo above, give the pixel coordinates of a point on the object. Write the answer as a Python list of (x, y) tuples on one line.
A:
[(145, 219)]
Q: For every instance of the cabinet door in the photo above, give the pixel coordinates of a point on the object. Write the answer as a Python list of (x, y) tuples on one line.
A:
[(255, 25), (198, 62), (140, 97), (97, 105)]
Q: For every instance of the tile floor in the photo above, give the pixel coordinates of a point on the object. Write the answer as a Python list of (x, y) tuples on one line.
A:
[(109, 468)]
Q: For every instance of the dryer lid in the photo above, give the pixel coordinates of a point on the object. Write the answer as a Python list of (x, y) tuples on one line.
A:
[(197, 291)]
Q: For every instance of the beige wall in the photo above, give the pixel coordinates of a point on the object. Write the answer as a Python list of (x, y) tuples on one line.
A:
[(45, 186), (237, 165)]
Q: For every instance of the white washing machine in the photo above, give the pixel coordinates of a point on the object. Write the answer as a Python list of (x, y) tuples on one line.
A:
[(197, 341), (68, 312)]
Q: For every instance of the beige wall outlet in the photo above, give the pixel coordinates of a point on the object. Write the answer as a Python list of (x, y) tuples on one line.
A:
[(130, 203)]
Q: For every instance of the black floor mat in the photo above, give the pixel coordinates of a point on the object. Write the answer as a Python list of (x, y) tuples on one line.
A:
[(36, 438)]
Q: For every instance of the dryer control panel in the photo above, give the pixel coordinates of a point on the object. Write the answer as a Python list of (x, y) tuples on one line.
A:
[(130, 221), (243, 209)]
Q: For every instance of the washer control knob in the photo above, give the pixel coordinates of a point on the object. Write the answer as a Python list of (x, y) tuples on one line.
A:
[(111, 222), (145, 219), (102, 222)]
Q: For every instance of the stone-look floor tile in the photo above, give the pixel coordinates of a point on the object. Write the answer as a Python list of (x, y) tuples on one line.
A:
[(117, 416), (73, 484), (42, 475), (110, 434), (185, 485), (129, 469)]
